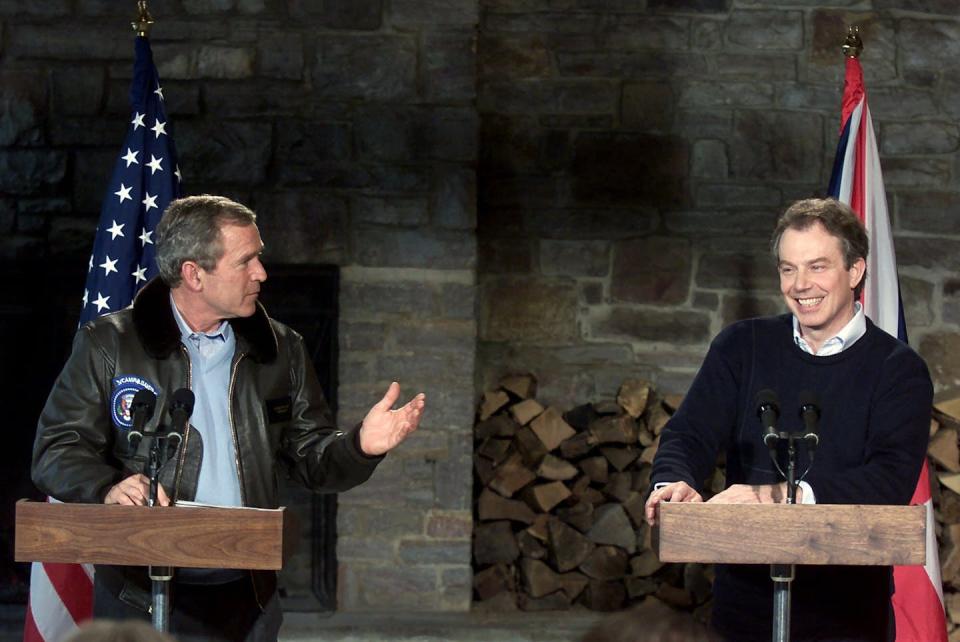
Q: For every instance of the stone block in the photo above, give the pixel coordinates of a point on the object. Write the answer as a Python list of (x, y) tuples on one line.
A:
[(388, 587), (501, 256), (70, 236), (703, 6), (361, 336), (428, 365), (450, 524), (704, 94), (414, 13), (280, 55), (392, 133), (925, 6), (712, 123), (706, 35), (765, 29), (528, 310), (591, 293), (366, 546), (901, 103), (409, 299), (91, 171), (304, 147), (77, 91), (757, 65), (917, 173), (224, 152), (27, 171), (454, 198), (951, 302), (731, 195), (929, 252), (303, 227), (739, 306), (231, 63), (534, 95), (923, 45), (358, 15), (941, 351), (510, 145), (642, 31), (208, 6), (422, 247), (804, 96), (390, 520), (748, 223), (592, 223), (23, 100), (251, 7), (655, 269), (514, 55), (104, 42), (632, 168), (368, 67), (395, 210), (574, 258), (87, 131), (929, 212), (431, 552), (754, 272), (647, 105), (39, 8), (109, 7), (950, 102), (917, 295), (674, 326), (439, 334), (709, 159), (705, 300), (918, 138), (631, 64), (777, 145), (449, 66), (453, 135)]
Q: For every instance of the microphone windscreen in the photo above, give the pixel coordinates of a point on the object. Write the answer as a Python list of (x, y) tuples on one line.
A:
[(183, 399)]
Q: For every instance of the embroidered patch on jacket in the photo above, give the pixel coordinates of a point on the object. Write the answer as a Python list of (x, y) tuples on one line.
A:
[(121, 399)]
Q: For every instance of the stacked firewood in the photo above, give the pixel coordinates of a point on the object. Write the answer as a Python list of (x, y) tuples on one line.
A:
[(559, 503)]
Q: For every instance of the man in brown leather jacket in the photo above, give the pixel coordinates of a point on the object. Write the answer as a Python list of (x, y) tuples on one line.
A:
[(259, 413)]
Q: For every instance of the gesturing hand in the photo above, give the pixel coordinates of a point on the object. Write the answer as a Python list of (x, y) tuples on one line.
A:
[(384, 428)]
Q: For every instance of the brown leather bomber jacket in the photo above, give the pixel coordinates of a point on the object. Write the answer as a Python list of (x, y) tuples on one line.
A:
[(280, 420)]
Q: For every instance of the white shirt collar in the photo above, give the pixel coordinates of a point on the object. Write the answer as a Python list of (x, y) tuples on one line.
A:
[(848, 335)]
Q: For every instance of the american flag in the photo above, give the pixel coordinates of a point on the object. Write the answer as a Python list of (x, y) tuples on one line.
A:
[(858, 182), (145, 179)]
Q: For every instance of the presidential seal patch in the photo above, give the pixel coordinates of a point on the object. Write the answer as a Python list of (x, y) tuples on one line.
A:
[(121, 399)]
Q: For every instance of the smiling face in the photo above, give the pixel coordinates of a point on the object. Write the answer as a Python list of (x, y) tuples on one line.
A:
[(231, 288), (815, 283)]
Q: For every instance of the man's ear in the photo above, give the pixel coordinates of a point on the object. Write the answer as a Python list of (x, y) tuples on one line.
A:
[(856, 272), (190, 272)]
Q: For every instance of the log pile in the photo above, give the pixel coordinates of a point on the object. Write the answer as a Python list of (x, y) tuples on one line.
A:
[(559, 503)]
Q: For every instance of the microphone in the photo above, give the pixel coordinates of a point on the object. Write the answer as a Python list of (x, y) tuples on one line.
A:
[(769, 412), (810, 415), (181, 407), (142, 407)]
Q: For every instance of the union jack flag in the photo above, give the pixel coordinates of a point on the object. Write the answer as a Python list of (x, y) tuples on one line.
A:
[(145, 179), (858, 182)]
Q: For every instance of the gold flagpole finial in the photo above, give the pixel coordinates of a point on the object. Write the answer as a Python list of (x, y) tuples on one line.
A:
[(144, 20), (852, 46)]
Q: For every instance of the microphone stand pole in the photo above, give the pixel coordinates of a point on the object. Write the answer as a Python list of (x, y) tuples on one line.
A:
[(160, 576), (783, 574)]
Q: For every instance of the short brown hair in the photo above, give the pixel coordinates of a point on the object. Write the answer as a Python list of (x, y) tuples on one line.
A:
[(837, 218), (190, 231)]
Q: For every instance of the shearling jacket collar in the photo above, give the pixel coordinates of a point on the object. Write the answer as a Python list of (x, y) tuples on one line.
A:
[(160, 335)]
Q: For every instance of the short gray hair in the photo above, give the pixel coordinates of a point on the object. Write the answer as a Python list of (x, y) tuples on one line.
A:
[(190, 231)]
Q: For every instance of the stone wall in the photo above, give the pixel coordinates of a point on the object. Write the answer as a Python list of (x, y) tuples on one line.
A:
[(634, 157), (350, 127)]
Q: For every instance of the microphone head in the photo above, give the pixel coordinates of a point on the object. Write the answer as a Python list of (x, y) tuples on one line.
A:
[(766, 401), (144, 399), (182, 401), (809, 403)]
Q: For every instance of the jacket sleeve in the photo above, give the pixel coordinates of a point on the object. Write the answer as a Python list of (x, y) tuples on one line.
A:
[(71, 449), (703, 423), (896, 443), (313, 451)]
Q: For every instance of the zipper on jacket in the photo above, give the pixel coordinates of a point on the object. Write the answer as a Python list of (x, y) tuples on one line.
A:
[(186, 437), (233, 427)]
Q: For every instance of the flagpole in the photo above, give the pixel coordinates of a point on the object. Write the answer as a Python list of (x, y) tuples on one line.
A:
[(141, 26)]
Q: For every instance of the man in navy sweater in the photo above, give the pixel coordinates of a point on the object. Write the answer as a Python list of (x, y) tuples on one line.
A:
[(874, 393)]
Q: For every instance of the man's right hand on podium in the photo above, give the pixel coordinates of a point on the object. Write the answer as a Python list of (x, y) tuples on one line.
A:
[(675, 492), (134, 491)]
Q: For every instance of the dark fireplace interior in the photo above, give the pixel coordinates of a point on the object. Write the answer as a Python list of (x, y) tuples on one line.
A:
[(39, 309)]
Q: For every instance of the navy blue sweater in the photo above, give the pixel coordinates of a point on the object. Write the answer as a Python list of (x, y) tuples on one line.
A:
[(875, 399)]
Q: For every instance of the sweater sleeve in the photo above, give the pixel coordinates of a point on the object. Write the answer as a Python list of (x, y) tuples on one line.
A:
[(703, 423), (896, 441)]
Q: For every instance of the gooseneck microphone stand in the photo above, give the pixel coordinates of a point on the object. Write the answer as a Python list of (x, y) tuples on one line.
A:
[(160, 576)]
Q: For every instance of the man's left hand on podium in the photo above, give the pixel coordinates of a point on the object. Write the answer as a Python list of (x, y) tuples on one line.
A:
[(754, 494)]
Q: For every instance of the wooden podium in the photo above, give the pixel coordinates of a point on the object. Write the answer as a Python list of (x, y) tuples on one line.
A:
[(852, 534), (177, 536)]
